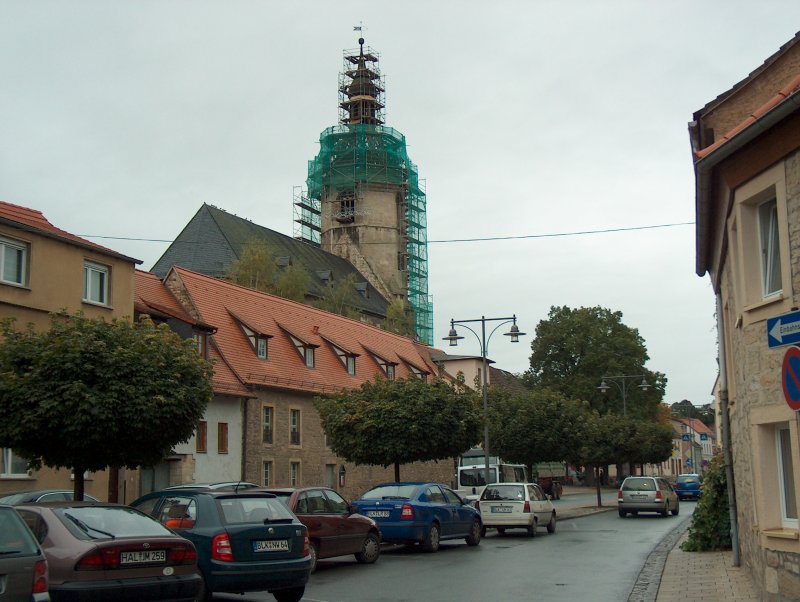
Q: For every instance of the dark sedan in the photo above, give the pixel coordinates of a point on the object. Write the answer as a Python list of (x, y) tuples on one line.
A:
[(423, 513), (42, 495), (101, 552), (333, 528), (246, 540)]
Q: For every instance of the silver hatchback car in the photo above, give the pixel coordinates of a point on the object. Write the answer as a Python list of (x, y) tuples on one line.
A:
[(647, 494)]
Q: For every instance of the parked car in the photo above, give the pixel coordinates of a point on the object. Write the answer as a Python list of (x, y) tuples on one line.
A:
[(334, 529), (688, 486), (647, 494), (246, 540), (42, 495), (23, 566), (516, 506), (219, 485), (423, 513), (111, 552)]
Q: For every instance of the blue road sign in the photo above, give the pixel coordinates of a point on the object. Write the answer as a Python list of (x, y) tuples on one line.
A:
[(686, 437), (703, 436), (790, 377), (688, 461), (783, 330)]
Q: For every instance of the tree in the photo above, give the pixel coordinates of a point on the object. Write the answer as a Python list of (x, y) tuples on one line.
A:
[(292, 283), (400, 318), (255, 267), (539, 426), (336, 298), (87, 394), (574, 348), (393, 422)]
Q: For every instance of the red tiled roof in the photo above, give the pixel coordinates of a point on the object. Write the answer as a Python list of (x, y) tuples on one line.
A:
[(32, 219), (217, 302), (782, 94), (697, 425), (152, 297)]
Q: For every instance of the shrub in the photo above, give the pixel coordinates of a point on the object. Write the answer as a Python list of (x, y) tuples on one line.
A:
[(711, 524)]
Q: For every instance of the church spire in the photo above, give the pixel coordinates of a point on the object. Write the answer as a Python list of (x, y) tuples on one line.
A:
[(361, 88)]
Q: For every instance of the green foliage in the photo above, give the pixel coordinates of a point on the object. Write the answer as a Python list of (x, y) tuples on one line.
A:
[(387, 422), (336, 298), (574, 348), (292, 283), (255, 267), (87, 394), (711, 524), (399, 318)]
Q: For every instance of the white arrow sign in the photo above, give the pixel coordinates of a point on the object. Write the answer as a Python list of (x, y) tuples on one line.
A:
[(780, 330)]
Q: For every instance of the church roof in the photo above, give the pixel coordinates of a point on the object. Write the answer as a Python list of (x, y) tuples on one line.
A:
[(213, 239)]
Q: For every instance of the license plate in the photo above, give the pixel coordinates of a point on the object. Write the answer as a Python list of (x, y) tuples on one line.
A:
[(271, 545), (501, 509), (143, 556), (638, 497), (378, 513)]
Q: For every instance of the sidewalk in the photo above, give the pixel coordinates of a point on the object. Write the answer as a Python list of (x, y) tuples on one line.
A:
[(704, 576)]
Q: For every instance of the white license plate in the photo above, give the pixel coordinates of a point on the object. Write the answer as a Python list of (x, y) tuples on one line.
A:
[(271, 545), (143, 556), (378, 513), (501, 509)]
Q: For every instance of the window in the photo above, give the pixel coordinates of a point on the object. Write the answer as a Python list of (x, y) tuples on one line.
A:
[(786, 478), (13, 261), (201, 438), (95, 283), (385, 365), (351, 365), (309, 353), (12, 465), (390, 371), (770, 249), (200, 341), (336, 503), (330, 475), (348, 358), (294, 474), (261, 347), (306, 350), (295, 427), (267, 473), (267, 424), (222, 438)]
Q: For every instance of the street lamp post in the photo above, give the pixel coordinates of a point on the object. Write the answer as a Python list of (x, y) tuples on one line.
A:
[(453, 338), (623, 383)]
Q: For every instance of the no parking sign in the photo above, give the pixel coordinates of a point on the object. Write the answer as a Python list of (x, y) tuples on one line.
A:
[(790, 377)]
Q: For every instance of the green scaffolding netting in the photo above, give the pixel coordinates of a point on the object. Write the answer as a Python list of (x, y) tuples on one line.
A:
[(360, 154)]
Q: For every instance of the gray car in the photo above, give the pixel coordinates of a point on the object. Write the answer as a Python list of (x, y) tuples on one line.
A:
[(647, 494), (23, 567)]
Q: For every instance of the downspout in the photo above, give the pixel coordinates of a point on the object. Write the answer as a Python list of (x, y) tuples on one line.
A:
[(726, 433)]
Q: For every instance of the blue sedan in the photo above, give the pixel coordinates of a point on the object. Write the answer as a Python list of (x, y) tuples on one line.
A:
[(423, 513)]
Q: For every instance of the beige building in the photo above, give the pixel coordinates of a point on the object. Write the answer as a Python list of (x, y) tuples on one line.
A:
[(44, 269), (746, 150)]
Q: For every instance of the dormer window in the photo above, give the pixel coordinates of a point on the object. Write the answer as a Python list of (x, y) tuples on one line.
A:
[(305, 348), (348, 358), (418, 373), (200, 341), (258, 340), (387, 366), (261, 347)]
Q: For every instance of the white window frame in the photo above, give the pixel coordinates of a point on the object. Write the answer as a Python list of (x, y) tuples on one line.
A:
[(770, 248), (350, 362), (90, 295), (295, 426), (271, 410), (266, 473), (294, 473), (21, 248), (310, 357), (8, 462), (786, 490), (261, 347)]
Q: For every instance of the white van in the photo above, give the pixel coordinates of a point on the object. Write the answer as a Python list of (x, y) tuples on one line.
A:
[(471, 478)]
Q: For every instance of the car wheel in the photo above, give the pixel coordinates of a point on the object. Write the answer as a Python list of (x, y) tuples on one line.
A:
[(551, 526), (474, 537), (622, 513), (483, 531), (431, 543), (676, 509), (294, 594), (312, 549), (370, 549), (532, 528), (665, 509)]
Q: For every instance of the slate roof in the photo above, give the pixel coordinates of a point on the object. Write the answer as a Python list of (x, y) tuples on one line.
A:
[(224, 305), (213, 239), (32, 220)]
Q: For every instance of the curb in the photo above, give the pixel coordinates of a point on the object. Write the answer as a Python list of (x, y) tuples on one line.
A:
[(647, 583)]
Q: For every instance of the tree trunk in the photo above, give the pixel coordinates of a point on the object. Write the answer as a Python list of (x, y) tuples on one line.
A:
[(113, 485), (397, 472), (77, 492)]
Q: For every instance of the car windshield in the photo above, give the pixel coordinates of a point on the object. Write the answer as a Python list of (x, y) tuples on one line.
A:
[(635, 484), (503, 492), (13, 498), (15, 538), (473, 477), (108, 522), (390, 492), (688, 479), (262, 510)]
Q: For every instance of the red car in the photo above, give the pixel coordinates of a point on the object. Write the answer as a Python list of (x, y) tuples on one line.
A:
[(333, 527)]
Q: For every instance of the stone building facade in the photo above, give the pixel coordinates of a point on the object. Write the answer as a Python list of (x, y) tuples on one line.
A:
[(746, 146)]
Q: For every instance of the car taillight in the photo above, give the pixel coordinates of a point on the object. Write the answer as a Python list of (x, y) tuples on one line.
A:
[(619, 495), (527, 508), (40, 577), (221, 548), (407, 513), (306, 546), (99, 560), (659, 495), (184, 555)]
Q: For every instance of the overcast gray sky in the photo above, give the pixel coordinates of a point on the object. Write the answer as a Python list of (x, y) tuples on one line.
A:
[(119, 119)]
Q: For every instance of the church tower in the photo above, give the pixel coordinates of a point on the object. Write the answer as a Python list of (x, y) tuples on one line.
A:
[(364, 201)]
